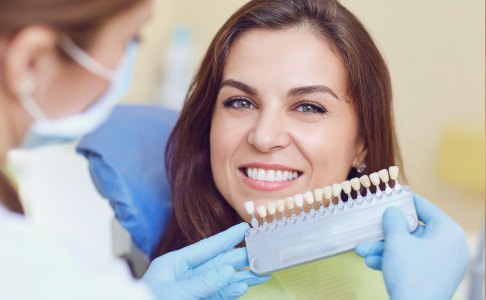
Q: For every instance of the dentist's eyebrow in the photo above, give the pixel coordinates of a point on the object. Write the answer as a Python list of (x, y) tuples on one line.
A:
[(305, 90), (239, 85)]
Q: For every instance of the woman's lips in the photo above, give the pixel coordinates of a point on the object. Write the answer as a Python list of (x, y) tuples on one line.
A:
[(266, 186)]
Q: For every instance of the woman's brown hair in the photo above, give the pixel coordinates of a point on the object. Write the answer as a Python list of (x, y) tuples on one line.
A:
[(79, 19), (199, 210)]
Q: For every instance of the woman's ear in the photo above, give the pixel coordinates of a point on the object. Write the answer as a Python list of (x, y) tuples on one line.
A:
[(361, 153), (27, 55)]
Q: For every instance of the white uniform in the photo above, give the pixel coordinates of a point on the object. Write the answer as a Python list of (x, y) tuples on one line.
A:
[(36, 264)]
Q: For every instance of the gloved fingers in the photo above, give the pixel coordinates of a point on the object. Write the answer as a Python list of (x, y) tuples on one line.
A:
[(370, 248), (374, 262), (426, 211), (419, 232), (210, 282), (208, 248), (234, 290), (394, 222), (238, 258), (249, 278)]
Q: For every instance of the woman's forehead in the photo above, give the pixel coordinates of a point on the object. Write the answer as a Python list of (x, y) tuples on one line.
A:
[(285, 58)]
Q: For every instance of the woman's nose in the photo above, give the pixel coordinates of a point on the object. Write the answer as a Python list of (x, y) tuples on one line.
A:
[(269, 133)]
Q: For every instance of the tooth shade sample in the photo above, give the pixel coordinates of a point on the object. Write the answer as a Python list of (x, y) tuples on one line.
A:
[(346, 186), (393, 172), (365, 181), (309, 198), (318, 195), (280, 205), (272, 208), (262, 211), (375, 178), (289, 201), (299, 200), (336, 189), (384, 175), (250, 207), (285, 175), (278, 175), (355, 184), (327, 192), (249, 171)]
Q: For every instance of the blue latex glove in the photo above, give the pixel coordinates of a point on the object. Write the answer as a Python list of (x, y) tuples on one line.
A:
[(208, 269), (426, 264)]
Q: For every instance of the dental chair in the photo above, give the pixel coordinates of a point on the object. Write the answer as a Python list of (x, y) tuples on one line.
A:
[(126, 164)]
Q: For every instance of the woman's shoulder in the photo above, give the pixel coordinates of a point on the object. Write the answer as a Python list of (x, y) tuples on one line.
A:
[(343, 276)]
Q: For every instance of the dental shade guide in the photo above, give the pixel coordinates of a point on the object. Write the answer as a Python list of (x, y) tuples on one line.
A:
[(329, 230), (250, 208)]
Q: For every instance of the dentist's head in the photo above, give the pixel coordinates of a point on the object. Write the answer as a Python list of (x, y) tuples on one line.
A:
[(63, 66)]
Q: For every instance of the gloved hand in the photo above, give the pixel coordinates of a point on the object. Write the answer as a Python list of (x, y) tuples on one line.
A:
[(207, 269), (426, 264)]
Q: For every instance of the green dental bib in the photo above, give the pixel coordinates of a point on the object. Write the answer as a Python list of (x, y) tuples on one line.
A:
[(345, 277)]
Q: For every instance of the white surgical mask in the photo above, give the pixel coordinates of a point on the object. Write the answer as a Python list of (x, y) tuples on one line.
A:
[(44, 131)]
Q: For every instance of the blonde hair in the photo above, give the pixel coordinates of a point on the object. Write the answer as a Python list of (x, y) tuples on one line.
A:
[(77, 18)]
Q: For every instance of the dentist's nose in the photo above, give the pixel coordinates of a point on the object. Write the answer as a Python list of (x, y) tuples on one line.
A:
[(269, 133)]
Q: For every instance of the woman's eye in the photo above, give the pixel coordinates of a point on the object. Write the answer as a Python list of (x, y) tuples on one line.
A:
[(238, 103), (311, 108)]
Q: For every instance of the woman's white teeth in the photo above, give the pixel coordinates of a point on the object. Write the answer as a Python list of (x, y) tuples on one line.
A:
[(270, 175), (261, 174)]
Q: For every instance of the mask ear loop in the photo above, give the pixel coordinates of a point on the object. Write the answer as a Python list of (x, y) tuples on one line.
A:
[(27, 88), (84, 59)]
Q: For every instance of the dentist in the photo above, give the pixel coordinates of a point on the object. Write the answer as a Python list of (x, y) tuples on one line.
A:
[(64, 64)]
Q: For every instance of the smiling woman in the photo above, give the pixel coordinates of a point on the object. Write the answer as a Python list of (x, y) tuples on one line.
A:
[(291, 95), (294, 92), (288, 120)]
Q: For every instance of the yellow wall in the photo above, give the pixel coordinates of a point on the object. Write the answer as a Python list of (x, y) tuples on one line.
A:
[(435, 52)]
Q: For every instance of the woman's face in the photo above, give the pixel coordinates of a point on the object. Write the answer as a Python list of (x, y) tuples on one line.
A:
[(282, 113)]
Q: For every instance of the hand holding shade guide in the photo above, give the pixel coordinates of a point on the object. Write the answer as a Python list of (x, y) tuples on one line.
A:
[(305, 235)]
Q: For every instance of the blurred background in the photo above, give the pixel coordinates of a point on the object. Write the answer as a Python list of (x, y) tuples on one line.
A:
[(435, 53)]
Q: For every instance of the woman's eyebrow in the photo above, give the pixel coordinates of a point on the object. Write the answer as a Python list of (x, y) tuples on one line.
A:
[(298, 91), (305, 90), (239, 85)]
